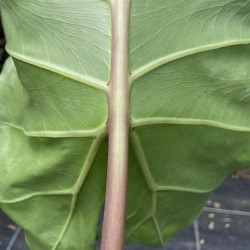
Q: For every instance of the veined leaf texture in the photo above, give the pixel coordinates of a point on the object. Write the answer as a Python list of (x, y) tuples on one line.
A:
[(189, 109)]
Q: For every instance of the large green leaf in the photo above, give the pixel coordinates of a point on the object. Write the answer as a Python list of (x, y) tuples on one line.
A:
[(52, 187), (189, 102)]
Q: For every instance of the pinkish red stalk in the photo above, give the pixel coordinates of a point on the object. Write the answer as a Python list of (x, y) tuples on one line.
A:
[(118, 126)]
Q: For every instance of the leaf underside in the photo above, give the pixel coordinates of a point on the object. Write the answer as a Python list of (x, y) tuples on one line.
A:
[(190, 96)]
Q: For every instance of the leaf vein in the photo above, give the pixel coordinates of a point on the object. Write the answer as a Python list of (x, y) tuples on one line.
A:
[(175, 56), (185, 121), (58, 134), (61, 71)]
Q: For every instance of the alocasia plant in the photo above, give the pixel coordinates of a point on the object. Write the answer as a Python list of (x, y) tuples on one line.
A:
[(171, 75)]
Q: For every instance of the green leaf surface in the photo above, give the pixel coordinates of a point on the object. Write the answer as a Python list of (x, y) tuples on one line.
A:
[(167, 30), (189, 102), (40, 32), (211, 88), (55, 178)]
